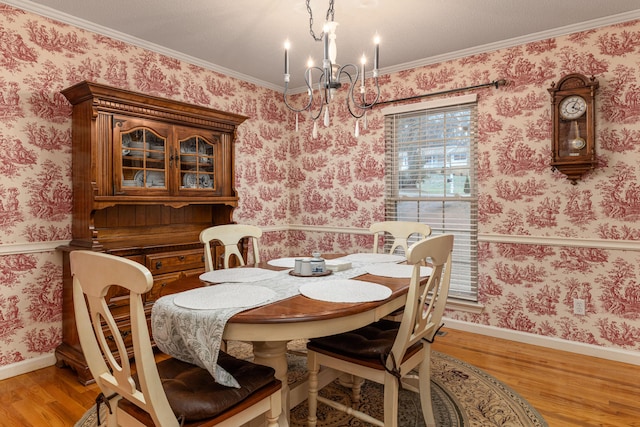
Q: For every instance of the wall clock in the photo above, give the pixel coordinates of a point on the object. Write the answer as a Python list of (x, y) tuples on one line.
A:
[(573, 110)]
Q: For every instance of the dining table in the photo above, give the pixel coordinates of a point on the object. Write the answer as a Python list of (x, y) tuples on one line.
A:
[(268, 305)]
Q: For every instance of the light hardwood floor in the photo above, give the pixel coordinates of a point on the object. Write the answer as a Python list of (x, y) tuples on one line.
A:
[(567, 389)]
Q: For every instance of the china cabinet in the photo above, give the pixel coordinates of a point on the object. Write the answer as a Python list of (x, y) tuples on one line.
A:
[(148, 175)]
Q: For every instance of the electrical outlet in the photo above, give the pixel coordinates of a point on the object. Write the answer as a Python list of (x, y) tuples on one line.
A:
[(579, 307)]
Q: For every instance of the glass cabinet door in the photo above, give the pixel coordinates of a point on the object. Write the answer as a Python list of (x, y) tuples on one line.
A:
[(143, 154), (197, 163)]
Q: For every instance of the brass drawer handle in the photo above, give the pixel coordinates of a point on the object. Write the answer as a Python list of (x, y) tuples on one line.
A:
[(158, 265), (123, 334)]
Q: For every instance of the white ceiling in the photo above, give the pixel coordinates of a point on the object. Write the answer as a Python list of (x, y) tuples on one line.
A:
[(245, 38)]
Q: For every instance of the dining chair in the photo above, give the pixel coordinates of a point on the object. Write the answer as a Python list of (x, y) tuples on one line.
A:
[(400, 230), (167, 393), (389, 352), (229, 235)]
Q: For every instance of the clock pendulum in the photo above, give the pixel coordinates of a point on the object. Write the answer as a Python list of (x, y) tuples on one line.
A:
[(576, 142)]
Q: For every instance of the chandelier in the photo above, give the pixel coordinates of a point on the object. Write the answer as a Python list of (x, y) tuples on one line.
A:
[(323, 82)]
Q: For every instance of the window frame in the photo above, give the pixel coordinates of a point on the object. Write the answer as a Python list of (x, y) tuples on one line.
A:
[(464, 286)]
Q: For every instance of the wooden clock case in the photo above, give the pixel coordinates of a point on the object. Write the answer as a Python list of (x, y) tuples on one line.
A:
[(567, 158)]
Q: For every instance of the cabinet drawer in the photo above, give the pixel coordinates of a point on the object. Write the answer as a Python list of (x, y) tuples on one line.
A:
[(170, 262), (164, 285), (124, 328)]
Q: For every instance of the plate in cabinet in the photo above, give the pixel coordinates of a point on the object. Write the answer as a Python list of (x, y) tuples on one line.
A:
[(192, 180), (154, 179)]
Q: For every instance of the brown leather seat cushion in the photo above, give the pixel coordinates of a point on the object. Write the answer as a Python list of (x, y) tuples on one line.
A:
[(367, 343), (194, 394)]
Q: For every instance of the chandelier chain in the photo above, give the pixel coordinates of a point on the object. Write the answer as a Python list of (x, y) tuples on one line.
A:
[(330, 13)]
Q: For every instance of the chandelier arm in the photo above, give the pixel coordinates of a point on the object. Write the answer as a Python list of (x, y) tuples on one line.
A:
[(317, 116), (292, 108), (343, 70), (351, 95), (354, 115), (321, 91), (366, 106)]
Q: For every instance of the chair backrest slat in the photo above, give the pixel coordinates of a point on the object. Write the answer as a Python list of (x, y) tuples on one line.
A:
[(425, 304), (229, 235), (400, 231)]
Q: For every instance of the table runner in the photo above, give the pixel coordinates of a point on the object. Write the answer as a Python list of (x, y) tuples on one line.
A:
[(195, 336)]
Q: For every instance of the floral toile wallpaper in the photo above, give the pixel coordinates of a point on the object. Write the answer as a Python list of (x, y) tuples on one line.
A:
[(334, 182)]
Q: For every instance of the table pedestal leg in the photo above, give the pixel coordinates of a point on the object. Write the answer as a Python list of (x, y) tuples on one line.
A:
[(274, 354)]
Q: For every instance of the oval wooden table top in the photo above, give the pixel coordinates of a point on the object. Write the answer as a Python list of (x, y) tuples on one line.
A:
[(302, 309)]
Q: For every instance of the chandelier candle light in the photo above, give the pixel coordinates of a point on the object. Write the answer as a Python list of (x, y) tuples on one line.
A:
[(330, 76)]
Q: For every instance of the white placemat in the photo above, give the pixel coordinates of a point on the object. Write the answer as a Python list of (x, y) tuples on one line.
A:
[(238, 275), (371, 258), (395, 270), (345, 290), (223, 296), (283, 262)]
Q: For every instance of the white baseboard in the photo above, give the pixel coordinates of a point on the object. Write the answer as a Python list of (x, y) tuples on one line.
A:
[(614, 354), (33, 364)]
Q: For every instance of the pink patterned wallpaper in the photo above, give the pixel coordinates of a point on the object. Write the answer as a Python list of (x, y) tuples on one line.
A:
[(336, 180)]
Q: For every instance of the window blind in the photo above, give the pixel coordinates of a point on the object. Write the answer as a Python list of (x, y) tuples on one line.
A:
[(430, 177)]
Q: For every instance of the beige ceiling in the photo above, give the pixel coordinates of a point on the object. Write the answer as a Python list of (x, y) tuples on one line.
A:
[(245, 38)]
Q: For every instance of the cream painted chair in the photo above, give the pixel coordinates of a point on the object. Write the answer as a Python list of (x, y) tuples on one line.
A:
[(229, 235), (170, 393), (386, 352), (400, 230)]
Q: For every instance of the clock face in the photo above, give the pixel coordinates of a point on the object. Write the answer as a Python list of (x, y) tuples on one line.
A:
[(572, 107)]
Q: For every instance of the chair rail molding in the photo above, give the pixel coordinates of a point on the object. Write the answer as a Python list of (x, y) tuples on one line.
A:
[(31, 247), (624, 245)]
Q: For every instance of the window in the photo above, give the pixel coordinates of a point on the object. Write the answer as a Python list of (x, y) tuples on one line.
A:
[(431, 177)]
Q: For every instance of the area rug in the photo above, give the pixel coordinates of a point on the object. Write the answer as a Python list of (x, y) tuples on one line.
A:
[(463, 396)]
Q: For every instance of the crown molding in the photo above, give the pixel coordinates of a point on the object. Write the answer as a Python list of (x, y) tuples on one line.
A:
[(48, 12), (490, 47), (516, 41)]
